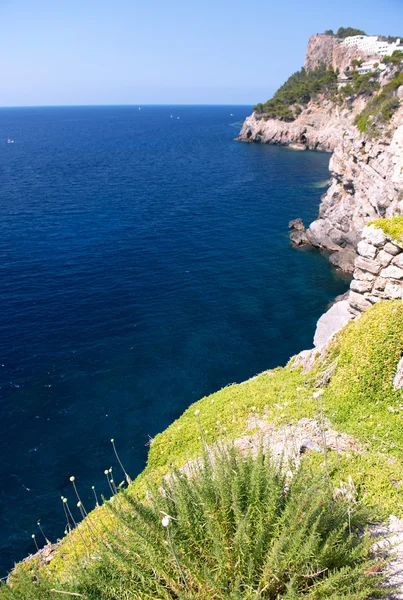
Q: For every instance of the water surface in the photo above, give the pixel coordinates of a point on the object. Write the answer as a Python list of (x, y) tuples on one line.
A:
[(144, 263)]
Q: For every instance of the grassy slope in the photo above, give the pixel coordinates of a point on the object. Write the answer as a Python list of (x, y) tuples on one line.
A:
[(357, 401)]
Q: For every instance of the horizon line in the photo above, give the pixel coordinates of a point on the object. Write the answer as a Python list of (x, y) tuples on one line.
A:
[(123, 105)]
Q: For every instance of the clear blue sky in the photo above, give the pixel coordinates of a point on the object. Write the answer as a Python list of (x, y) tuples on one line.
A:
[(166, 52)]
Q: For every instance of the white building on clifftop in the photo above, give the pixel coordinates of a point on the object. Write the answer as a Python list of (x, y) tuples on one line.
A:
[(372, 45)]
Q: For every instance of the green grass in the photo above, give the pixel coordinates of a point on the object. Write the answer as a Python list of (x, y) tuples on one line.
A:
[(239, 527), (392, 227), (357, 400)]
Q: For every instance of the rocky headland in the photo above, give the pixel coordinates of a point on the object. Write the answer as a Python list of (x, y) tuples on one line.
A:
[(366, 168)]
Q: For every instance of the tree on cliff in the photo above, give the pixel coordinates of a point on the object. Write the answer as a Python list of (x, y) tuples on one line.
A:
[(344, 32)]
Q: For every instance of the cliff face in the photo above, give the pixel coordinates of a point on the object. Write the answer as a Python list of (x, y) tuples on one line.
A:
[(366, 175), (326, 49)]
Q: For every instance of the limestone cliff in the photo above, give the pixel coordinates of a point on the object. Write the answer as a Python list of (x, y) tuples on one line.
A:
[(366, 174)]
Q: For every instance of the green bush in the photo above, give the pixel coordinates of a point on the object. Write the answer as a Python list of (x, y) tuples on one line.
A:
[(396, 58), (238, 528), (344, 32), (299, 89), (381, 109)]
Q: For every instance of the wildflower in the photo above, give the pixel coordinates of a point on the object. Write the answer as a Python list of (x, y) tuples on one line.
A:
[(166, 521), (197, 412), (72, 478)]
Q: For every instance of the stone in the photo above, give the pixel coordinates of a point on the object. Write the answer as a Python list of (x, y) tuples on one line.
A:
[(392, 272), (384, 258), (366, 249), (298, 237), (360, 286), (363, 275), (393, 290), (398, 261), (358, 302), (367, 264), (330, 322), (305, 359), (398, 378), (379, 284), (374, 235), (373, 299), (296, 224), (392, 248), (344, 259)]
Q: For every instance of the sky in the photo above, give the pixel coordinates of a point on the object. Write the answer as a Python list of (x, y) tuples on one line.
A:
[(75, 52)]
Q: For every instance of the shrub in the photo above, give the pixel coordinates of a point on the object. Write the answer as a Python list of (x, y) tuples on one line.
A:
[(299, 89), (381, 109), (238, 527), (344, 32)]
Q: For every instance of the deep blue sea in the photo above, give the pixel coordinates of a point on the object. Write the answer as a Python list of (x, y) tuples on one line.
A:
[(144, 263)]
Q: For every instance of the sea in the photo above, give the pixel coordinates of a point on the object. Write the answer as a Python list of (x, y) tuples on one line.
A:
[(144, 263)]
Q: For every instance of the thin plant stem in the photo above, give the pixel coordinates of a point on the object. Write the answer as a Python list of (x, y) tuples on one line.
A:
[(41, 530), (95, 496), (176, 558), (128, 479)]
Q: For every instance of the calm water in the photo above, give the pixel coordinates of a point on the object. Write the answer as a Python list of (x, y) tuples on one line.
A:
[(144, 263)]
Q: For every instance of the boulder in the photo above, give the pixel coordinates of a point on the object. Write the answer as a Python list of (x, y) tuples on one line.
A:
[(398, 261), (360, 286), (358, 302), (363, 275), (393, 290), (297, 233), (398, 378), (392, 272), (384, 258), (296, 224), (368, 264), (330, 322), (373, 235), (344, 259), (392, 248), (366, 249)]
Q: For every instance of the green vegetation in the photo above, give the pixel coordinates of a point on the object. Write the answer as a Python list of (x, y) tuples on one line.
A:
[(392, 227), (395, 59), (236, 527), (355, 379), (380, 110), (361, 85), (298, 90), (344, 32)]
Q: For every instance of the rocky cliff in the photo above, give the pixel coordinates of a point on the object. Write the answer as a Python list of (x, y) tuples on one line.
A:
[(366, 174)]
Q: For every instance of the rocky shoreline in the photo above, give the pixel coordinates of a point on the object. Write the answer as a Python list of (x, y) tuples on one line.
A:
[(366, 174)]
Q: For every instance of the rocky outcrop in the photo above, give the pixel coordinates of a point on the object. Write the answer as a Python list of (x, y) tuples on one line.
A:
[(319, 127), (378, 273), (330, 322), (367, 183), (366, 175), (328, 50)]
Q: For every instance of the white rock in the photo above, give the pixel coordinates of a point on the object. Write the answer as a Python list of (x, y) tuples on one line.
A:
[(367, 264), (330, 322), (367, 250), (360, 286), (392, 272), (398, 378), (363, 275), (392, 248), (384, 258), (358, 302), (393, 291), (373, 235), (398, 261)]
